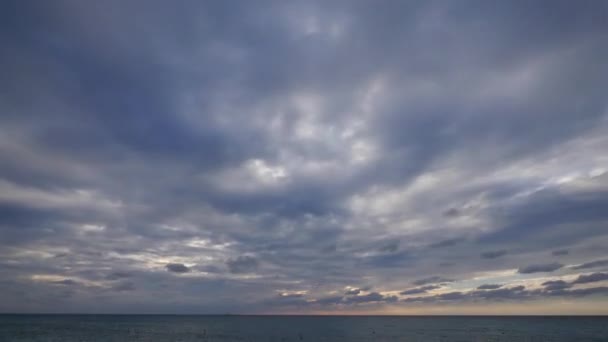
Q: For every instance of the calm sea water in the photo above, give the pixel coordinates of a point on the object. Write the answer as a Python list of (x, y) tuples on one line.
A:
[(298, 328)]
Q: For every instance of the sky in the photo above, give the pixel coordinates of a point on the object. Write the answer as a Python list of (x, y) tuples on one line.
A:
[(304, 157)]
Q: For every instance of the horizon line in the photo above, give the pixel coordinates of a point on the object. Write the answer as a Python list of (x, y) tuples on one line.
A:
[(297, 315)]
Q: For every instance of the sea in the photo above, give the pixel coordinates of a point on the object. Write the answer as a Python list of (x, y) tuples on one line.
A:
[(109, 328)]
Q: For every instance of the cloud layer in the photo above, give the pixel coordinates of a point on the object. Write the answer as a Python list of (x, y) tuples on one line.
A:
[(302, 156)]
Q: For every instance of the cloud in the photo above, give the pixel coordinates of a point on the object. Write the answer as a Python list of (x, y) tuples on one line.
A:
[(489, 286), (512, 294), (66, 282), (446, 243), (516, 292), (292, 295), (537, 268), (242, 264), (422, 289), (590, 278), (433, 279), (556, 207), (556, 285), (390, 248), (369, 298), (560, 252), (329, 300), (591, 264), (449, 296), (120, 275), (601, 290), (177, 268), (349, 300), (124, 286), (452, 212), (493, 254)]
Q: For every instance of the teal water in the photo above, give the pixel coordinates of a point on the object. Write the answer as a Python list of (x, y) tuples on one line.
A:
[(153, 328)]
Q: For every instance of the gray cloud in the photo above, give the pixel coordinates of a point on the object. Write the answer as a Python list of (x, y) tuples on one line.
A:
[(67, 282), (329, 300), (450, 296), (513, 294), (120, 275), (537, 268), (556, 285), (550, 208), (242, 264), (373, 297), (601, 290), (452, 212), (124, 286), (446, 243), (493, 254), (422, 289), (433, 279), (560, 252), (591, 278), (592, 264), (370, 297), (489, 286), (177, 268), (390, 248)]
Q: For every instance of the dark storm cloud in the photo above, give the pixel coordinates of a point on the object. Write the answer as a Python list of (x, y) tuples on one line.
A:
[(296, 146), (560, 252), (493, 254), (177, 268), (592, 264), (538, 268)]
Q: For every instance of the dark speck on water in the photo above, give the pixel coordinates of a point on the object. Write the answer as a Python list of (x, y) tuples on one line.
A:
[(151, 328)]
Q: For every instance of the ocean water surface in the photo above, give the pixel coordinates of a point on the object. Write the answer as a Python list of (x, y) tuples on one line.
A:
[(298, 328)]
